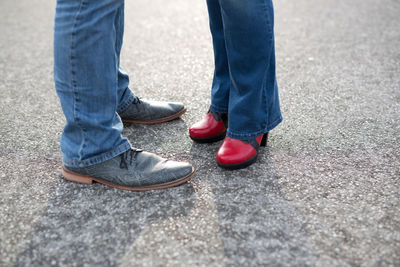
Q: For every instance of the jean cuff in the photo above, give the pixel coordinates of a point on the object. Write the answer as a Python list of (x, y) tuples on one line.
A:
[(99, 158), (218, 109), (126, 102), (253, 135)]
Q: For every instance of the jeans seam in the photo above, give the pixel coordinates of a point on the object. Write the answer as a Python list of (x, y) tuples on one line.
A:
[(73, 80), (268, 21), (266, 100)]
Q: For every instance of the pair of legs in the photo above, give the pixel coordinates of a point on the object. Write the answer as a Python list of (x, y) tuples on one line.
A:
[(89, 81), (94, 96), (244, 95), (244, 84)]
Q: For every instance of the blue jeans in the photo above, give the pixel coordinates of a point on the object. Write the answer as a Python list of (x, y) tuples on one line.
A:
[(89, 81), (244, 84)]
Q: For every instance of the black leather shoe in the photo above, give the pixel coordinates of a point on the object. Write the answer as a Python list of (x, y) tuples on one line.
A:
[(151, 112), (134, 170)]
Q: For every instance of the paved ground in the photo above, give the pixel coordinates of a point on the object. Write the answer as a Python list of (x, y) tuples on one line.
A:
[(324, 193)]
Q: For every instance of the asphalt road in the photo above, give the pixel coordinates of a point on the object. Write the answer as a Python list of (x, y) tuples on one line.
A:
[(325, 192)]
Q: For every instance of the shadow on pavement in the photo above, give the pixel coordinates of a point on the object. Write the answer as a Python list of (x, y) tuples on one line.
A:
[(257, 225), (96, 224)]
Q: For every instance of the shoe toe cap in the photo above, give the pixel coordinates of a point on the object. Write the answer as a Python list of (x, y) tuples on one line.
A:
[(165, 109), (176, 106), (177, 170), (161, 171), (235, 152)]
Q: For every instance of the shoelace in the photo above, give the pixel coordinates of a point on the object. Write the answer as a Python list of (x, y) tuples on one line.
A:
[(137, 100), (131, 154)]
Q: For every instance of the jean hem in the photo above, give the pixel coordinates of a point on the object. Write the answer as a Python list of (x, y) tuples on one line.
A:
[(253, 135), (99, 158), (125, 104), (218, 109)]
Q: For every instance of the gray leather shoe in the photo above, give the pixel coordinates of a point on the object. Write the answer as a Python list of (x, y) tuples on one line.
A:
[(151, 112), (134, 170)]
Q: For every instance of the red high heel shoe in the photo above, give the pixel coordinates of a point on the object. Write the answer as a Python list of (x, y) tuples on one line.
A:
[(210, 129), (237, 154)]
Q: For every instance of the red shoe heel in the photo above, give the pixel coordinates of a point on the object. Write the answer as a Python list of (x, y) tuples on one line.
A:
[(264, 140)]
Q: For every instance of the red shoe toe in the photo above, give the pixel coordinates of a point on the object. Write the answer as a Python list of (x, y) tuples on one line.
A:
[(237, 154), (208, 129)]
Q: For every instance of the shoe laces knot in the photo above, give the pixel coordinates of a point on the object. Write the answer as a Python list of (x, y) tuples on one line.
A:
[(137, 100), (128, 157)]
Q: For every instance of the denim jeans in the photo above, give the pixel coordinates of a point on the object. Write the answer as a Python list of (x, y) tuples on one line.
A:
[(89, 81), (244, 83)]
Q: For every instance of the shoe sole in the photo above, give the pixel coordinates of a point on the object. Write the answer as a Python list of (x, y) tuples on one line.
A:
[(84, 179), (238, 166), (212, 139), (161, 120)]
